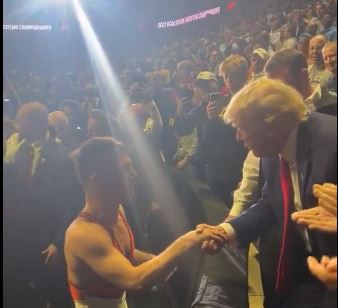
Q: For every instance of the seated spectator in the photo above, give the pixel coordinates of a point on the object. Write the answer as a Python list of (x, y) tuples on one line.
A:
[(290, 66), (303, 44), (317, 72), (330, 59), (288, 38)]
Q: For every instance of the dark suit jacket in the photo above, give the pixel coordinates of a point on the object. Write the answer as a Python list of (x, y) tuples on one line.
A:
[(316, 164)]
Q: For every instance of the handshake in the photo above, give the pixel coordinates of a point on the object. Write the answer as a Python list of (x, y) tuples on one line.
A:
[(211, 238)]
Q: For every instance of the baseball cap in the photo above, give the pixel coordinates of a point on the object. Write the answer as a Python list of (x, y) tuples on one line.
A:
[(206, 76)]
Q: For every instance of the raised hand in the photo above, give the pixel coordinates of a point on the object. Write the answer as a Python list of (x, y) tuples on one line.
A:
[(325, 271), (324, 216), (327, 197), (51, 253), (213, 109), (316, 218)]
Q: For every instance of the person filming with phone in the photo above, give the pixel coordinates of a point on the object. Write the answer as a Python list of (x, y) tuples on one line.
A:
[(218, 157)]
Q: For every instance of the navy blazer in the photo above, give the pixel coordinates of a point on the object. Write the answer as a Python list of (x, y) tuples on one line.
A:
[(316, 164)]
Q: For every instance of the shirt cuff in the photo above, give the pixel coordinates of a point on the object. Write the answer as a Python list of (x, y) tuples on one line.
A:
[(230, 232), (236, 209)]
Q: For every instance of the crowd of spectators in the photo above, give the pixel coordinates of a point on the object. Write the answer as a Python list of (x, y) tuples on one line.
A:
[(176, 98)]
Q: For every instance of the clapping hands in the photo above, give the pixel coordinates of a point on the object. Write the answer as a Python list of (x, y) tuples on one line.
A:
[(327, 197), (324, 216), (325, 270)]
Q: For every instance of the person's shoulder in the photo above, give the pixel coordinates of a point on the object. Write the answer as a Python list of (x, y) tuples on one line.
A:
[(81, 227), (56, 152), (328, 102), (85, 235), (323, 127), (323, 120)]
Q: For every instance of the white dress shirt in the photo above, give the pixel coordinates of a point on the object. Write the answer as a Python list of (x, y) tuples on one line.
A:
[(246, 194), (290, 155)]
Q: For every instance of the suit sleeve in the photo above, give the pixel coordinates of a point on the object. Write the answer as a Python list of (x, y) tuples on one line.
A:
[(255, 221), (71, 198)]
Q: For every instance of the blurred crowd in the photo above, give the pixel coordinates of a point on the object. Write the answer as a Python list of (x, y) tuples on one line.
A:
[(176, 99)]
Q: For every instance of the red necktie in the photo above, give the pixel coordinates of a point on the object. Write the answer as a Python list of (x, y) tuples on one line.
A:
[(287, 192)]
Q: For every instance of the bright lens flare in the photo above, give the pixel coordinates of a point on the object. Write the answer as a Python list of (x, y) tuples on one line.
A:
[(99, 59), (115, 100)]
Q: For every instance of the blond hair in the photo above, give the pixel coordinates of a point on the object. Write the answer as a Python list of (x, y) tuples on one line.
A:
[(263, 101), (234, 64), (58, 119), (320, 38), (330, 45)]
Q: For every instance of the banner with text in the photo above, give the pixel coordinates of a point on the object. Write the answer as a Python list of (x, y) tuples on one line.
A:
[(27, 27), (188, 19)]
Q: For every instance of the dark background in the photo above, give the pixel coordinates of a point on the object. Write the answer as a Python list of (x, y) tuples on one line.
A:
[(124, 27)]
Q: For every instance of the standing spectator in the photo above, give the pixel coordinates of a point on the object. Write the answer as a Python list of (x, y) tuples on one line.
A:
[(319, 14), (76, 120), (8, 129), (257, 62), (275, 33), (59, 128), (164, 99), (39, 211), (102, 125), (298, 23), (213, 60), (220, 166), (330, 30)]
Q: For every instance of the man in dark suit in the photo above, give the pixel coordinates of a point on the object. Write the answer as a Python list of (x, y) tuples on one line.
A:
[(298, 150), (41, 197)]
